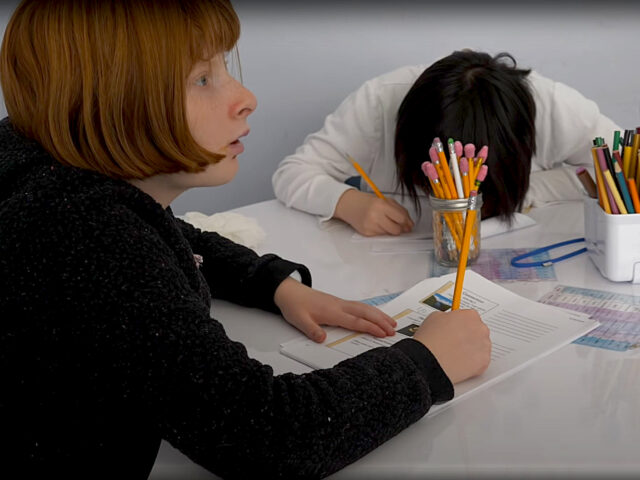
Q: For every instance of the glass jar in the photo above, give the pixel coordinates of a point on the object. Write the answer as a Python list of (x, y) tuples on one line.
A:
[(449, 218)]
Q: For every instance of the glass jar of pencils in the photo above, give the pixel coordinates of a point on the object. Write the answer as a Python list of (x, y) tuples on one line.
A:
[(449, 218)]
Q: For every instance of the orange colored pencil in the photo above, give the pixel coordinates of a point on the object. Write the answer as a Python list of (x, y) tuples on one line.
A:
[(633, 191)]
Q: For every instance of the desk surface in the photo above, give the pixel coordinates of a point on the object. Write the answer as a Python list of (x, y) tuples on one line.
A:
[(575, 412)]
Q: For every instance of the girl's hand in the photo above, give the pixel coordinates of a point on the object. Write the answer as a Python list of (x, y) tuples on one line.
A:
[(459, 340), (307, 309), (370, 215)]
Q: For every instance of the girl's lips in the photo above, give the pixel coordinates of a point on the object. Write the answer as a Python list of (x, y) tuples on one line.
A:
[(235, 148)]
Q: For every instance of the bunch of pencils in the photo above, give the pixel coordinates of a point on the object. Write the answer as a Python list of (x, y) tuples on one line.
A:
[(453, 179), (617, 173), (458, 178)]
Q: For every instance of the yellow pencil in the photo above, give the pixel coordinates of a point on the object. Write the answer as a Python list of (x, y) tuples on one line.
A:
[(633, 162), (469, 223), (614, 191), (638, 170), (626, 160), (445, 175), (482, 155), (366, 178), (431, 173)]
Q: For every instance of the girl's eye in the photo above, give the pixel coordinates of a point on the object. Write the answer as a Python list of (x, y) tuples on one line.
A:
[(202, 81)]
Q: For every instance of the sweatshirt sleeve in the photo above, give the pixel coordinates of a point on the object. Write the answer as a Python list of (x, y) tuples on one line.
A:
[(225, 410), (236, 273), (312, 179), (566, 124)]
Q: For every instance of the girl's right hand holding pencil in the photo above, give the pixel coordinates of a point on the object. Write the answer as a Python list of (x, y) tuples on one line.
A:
[(460, 342), (370, 215)]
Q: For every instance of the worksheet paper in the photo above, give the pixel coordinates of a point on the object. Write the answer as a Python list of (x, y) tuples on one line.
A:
[(618, 314), (522, 330)]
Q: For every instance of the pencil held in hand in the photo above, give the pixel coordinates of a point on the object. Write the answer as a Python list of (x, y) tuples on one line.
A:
[(366, 178), (472, 211)]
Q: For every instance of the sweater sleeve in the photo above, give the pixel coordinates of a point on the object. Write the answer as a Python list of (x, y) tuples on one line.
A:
[(221, 408), (312, 179), (566, 124), (236, 273)]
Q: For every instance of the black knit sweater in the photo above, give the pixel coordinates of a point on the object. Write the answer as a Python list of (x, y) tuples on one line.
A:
[(107, 345)]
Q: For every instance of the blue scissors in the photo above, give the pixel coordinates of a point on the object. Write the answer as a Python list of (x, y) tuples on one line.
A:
[(515, 261)]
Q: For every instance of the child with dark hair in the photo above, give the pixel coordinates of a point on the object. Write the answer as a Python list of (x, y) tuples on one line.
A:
[(534, 128)]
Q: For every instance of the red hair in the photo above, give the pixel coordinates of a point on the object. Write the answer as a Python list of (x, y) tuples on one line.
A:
[(101, 84)]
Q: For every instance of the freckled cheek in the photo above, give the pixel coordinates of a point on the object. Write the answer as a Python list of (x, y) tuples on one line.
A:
[(199, 124)]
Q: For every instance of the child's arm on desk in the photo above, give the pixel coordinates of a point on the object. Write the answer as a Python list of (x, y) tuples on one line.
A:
[(370, 215), (307, 309)]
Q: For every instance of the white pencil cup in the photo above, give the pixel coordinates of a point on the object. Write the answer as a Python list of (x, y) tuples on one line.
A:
[(613, 242)]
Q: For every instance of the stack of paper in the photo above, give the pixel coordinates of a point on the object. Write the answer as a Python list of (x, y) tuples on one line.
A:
[(522, 330)]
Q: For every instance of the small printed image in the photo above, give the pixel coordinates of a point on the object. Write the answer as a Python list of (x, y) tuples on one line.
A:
[(438, 301), (409, 330)]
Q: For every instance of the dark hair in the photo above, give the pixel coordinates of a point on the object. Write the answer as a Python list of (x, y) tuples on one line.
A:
[(474, 98)]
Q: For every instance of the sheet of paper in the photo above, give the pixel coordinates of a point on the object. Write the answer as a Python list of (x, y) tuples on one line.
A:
[(402, 246), (522, 330), (618, 314)]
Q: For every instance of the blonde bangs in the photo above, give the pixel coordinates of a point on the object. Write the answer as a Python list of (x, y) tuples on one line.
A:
[(101, 85)]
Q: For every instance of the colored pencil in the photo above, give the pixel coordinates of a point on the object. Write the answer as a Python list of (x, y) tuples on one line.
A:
[(587, 182), (622, 183), (617, 206), (633, 191), (603, 197)]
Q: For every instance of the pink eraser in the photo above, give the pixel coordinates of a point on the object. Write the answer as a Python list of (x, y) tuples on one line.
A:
[(433, 154), (432, 173), (484, 151), (469, 150), (482, 174), (464, 165), (457, 145), (436, 140), (424, 168)]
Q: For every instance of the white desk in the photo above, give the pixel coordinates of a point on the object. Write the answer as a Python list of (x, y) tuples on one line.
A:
[(574, 413)]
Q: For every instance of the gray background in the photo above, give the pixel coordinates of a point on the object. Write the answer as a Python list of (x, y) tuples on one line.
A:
[(302, 58)]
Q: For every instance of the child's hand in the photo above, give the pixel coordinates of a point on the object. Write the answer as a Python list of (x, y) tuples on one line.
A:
[(307, 309), (459, 340), (371, 215)]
